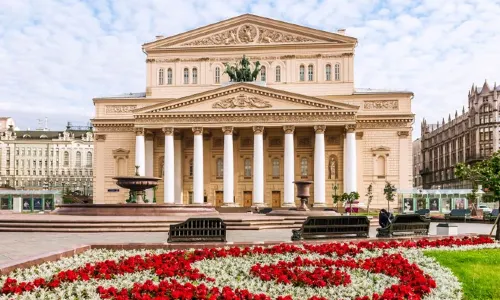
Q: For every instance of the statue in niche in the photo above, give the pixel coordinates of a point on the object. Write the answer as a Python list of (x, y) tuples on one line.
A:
[(333, 168)]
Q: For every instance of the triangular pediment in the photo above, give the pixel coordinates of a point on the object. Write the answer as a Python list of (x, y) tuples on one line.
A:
[(244, 97), (247, 30)]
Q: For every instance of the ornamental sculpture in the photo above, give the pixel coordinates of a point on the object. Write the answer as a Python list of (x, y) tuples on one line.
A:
[(248, 34), (241, 72), (242, 101), (381, 105), (119, 109)]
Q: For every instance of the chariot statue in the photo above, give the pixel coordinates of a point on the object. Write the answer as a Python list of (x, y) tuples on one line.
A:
[(241, 72)]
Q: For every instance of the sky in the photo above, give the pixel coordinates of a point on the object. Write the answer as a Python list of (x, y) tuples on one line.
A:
[(56, 55)]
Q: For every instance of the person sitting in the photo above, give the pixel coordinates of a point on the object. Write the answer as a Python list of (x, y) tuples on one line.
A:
[(383, 218)]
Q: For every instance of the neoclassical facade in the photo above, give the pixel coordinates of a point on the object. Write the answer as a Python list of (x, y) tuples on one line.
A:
[(224, 143)]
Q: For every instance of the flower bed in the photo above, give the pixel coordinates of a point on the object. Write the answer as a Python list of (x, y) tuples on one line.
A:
[(363, 270)]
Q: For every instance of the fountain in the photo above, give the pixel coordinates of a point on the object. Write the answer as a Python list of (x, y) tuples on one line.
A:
[(137, 184)]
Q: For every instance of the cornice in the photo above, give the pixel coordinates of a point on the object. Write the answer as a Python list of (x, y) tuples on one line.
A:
[(252, 58)]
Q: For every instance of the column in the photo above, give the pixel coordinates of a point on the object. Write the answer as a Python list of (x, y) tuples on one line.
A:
[(168, 167), (289, 193), (350, 157), (228, 172), (258, 166), (140, 151), (319, 166), (198, 166), (178, 159), (149, 137)]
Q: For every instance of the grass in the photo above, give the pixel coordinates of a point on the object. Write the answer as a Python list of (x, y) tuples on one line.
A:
[(477, 270)]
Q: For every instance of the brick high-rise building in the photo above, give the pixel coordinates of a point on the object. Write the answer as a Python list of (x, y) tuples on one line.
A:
[(469, 137)]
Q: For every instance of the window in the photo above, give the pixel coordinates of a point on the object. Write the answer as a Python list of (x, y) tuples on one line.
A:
[(169, 76), (78, 161), (337, 72), (310, 73), (263, 74), (217, 75), (66, 158), (186, 75), (328, 71), (380, 166), (161, 77), (195, 76), (248, 167), (276, 168), (278, 74), (304, 167), (220, 167), (89, 159), (301, 73), (191, 168)]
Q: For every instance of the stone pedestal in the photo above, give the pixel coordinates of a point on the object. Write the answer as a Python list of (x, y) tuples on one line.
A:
[(447, 229)]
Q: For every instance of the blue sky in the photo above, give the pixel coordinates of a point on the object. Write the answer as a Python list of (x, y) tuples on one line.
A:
[(56, 55)]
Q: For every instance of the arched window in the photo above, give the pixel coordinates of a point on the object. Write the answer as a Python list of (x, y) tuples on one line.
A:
[(169, 76), (186, 75), (310, 73), (220, 167), (161, 77), (195, 76), (380, 167), (328, 72), (278, 74), (304, 167), (263, 74), (78, 159), (337, 72), (302, 73), (89, 159), (191, 167), (276, 168), (66, 158), (248, 167), (217, 75)]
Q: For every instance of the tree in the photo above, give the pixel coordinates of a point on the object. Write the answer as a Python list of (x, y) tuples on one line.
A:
[(486, 173), (350, 198), (369, 194), (389, 190), (241, 72)]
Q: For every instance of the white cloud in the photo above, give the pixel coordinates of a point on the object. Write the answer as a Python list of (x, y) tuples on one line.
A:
[(56, 55)]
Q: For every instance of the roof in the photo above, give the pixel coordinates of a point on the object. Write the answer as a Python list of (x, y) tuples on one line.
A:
[(125, 95), (379, 91), (39, 134)]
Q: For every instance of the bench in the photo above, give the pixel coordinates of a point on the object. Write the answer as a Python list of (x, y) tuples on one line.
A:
[(491, 216), (265, 210), (332, 226), (426, 213), (198, 230), (412, 224), (458, 214)]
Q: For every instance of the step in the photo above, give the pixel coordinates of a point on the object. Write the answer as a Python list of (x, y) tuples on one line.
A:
[(83, 230), (82, 225)]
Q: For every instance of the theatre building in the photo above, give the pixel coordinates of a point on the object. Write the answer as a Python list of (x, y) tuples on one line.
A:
[(243, 144)]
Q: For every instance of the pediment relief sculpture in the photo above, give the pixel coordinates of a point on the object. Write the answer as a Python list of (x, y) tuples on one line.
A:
[(242, 101), (249, 34)]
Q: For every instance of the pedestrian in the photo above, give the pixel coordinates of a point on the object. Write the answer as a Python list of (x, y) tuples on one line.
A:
[(383, 218)]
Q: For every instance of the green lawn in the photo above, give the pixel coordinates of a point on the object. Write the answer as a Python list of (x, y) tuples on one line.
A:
[(477, 270)]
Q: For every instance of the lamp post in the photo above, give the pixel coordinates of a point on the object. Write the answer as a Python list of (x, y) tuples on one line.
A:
[(335, 197)]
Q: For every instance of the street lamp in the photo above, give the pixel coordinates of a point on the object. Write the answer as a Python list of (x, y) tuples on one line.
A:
[(335, 197)]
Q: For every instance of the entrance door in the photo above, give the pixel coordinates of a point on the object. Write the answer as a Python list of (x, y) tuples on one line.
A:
[(247, 198), (219, 198), (276, 198)]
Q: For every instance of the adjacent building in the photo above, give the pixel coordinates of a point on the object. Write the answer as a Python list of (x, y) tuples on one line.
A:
[(45, 159), (6, 123), (417, 163), (227, 143), (469, 137)]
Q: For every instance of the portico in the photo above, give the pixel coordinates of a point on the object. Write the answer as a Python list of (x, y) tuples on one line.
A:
[(227, 143)]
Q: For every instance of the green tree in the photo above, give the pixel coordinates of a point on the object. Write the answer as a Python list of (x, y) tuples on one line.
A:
[(350, 198), (389, 190), (241, 72), (369, 195), (486, 173)]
